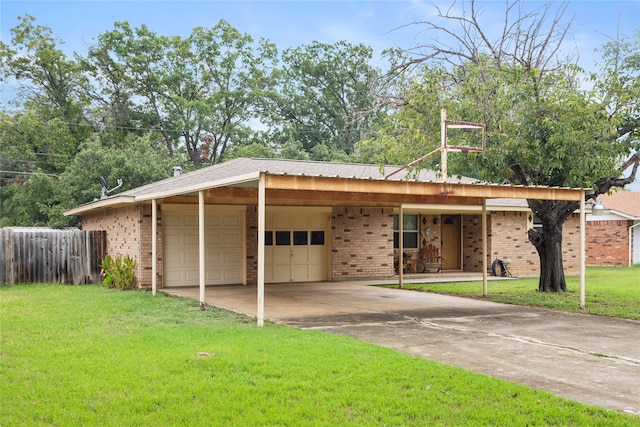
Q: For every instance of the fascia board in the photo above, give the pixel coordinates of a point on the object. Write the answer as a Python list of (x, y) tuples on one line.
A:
[(102, 203), (226, 182)]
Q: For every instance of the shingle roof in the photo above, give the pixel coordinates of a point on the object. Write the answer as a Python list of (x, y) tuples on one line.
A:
[(243, 166), (627, 202)]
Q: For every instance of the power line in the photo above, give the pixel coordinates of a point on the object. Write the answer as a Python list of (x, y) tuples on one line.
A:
[(29, 173)]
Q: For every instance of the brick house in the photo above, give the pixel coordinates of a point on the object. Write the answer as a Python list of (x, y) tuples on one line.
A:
[(317, 221), (613, 237)]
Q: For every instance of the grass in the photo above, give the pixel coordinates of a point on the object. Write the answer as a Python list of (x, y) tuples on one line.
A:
[(86, 355), (609, 291)]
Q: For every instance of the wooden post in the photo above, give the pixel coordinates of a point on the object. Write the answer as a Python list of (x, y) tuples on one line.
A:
[(261, 231), (401, 247), (484, 247), (154, 246), (443, 145), (583, 223), (201, 251)]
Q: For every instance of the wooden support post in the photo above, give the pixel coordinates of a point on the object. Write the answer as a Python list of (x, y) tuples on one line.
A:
[(261, 230), (154, 246), (401, 247), (583, 223), (484, 248), (201, 247), (443, 145)]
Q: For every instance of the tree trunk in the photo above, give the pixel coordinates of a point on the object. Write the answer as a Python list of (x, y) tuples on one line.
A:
[(548, 243)]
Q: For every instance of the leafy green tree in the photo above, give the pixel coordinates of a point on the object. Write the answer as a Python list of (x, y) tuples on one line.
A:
[(543, 127), (137, 164), (327, 98), (49, 80), (40, 203), (200, 93)]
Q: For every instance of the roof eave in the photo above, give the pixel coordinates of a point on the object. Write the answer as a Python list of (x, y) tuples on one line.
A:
[(100, 204), (225, 182)]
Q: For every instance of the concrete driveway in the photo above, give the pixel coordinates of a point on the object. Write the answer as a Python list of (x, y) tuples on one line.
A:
[(591, 359)]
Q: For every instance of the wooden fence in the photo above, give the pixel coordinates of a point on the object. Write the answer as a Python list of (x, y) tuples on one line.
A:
[(42, 255)]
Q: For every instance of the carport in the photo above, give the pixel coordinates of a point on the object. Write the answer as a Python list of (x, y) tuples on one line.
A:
[(247, 191), (281, 189)]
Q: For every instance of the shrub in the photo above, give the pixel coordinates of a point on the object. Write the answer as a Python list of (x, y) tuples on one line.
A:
[(119, 272)]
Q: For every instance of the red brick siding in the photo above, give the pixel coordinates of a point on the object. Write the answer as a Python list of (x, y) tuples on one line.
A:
[(472, 243), (252, 245), (146, 246), (361, 243), (508, 240), (608, 242), (122, 227)]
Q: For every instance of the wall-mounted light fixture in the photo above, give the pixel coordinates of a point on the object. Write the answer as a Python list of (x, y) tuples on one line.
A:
[(435, 220), (475, 221)]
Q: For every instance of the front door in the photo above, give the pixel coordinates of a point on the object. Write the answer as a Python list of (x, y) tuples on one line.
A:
[(451, 236)]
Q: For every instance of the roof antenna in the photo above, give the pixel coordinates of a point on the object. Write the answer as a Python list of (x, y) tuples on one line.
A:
[(105, 190)]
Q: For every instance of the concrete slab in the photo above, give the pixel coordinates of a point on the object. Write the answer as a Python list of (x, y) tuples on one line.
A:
[(591, 359)]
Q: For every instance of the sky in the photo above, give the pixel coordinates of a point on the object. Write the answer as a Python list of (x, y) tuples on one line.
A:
[(379, 24)]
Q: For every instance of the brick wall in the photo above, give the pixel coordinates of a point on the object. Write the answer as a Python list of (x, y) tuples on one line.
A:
[(571, 245), (361, 243), (472, 243), (122, 227), (508, 240), (146, 254), (608, 242), (252, 245)]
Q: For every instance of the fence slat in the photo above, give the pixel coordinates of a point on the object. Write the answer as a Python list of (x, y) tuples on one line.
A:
[(38, 255)]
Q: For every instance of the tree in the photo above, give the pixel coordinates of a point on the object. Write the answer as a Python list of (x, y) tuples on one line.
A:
[(200, 93), (137, 164), (49, 80), (327, 98), (543, 127)]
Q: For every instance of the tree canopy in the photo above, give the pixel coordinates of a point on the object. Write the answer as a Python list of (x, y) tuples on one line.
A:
[(548, 121)]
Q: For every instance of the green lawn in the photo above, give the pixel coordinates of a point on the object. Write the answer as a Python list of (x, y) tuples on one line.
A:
[(610, 291), (86, 355)]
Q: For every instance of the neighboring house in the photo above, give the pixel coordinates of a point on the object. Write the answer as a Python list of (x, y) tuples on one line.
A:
[(322, 222), (613, 237)]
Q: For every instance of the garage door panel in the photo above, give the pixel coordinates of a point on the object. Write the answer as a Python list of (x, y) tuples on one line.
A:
[(298, 254), (232, 257), (300, 272), (223, 248)]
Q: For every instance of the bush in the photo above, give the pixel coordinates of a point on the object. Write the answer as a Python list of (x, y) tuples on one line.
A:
[(119, 272)]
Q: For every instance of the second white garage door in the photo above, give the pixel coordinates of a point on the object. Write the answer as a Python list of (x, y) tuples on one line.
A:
[(223, 245), (296, 245)]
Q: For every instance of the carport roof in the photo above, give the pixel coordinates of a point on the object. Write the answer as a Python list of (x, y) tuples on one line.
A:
[(357, 183)]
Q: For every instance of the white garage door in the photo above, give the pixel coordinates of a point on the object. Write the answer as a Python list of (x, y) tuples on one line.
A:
[(223, 245), (296, 245)]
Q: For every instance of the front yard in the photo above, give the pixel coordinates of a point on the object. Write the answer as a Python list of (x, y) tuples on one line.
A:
[(610, 291), (86, 355)]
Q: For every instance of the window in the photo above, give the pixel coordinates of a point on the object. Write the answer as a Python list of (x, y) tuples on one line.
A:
[(268, 238), (317, 237), (409, 231), (283, 238), (300, 238)]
